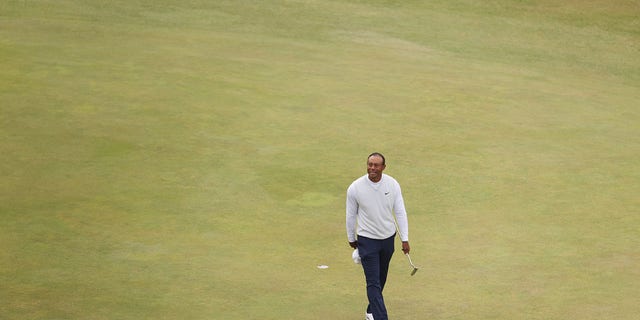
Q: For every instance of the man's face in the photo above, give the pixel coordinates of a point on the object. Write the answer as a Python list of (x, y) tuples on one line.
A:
[(375, 168)]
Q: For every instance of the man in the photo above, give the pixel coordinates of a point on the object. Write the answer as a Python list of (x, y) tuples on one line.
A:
[(372, 201)]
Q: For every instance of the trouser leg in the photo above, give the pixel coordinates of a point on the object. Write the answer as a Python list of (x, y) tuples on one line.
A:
[(386, 253), (375, 257)]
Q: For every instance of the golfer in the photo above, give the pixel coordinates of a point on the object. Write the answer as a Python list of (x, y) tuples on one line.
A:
[(372, 201)]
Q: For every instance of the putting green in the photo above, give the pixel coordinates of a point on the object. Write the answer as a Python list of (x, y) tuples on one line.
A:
[(189, 159)]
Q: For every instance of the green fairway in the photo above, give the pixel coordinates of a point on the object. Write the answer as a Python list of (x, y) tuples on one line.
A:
[(190, 159)]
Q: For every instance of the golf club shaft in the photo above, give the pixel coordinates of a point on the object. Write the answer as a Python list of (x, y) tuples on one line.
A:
[(410, 262), (395, 222)]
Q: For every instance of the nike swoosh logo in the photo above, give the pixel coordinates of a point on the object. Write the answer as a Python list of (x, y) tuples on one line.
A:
[(386, 193)]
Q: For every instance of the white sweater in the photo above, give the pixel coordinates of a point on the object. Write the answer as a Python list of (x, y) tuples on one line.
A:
[(371, 206)]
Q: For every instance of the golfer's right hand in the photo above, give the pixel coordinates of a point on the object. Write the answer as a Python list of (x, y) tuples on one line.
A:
[(354, 244)]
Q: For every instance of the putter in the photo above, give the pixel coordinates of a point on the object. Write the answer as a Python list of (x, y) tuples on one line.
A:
[(415, 269)]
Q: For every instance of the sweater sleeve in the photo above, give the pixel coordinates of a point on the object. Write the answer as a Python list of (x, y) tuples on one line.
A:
[(352, 212), (401, 215)]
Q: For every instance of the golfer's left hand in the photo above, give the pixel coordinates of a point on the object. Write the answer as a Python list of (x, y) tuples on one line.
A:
[(405, 247)]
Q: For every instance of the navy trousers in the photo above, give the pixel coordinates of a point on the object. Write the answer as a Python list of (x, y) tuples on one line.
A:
[(375, 256)]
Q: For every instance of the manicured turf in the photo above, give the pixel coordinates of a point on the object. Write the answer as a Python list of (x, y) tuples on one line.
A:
[(189, 159)]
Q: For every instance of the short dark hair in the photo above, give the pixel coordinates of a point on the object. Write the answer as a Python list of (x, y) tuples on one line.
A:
[(377, 154)]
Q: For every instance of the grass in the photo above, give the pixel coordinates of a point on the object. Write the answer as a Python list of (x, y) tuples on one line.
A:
[(188, 160)]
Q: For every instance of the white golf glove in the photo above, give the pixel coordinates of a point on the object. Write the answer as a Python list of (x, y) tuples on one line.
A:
[(356, 256)]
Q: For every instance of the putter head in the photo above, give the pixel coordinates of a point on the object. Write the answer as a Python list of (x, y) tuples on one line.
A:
[(415, 269)]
